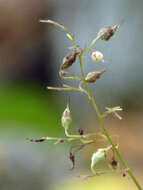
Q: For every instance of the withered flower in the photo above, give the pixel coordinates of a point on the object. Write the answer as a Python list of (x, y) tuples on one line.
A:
[(114, 163), (80, 131), (72, 158)]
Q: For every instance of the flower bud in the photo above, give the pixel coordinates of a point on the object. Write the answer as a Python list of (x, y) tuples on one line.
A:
[(93, 76), (97, 56), (66, 118), (107, 32), (69, 60)]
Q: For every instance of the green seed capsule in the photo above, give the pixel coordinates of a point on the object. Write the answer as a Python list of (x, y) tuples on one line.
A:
[(97, 157), (66, 118)]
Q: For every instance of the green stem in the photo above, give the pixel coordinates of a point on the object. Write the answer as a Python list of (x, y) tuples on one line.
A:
[(91, 98), (85, 137), (91, 44), (74, 78)]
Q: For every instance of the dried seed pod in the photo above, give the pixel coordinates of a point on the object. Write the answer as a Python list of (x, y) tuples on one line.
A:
[(69, 60), (93, 76), (107, 32)]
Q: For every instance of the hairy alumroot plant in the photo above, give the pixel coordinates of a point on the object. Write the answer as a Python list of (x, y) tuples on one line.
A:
[(116, 163)]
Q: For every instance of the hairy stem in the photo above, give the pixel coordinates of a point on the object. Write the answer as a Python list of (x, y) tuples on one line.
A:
[(91, 98)]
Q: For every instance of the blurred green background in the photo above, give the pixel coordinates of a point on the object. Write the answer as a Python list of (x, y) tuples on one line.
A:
[(30, 56)]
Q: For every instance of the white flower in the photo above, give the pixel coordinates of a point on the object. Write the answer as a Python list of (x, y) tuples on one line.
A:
[(97, 56)]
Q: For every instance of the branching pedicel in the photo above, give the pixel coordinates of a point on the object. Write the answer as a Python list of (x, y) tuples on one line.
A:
[(85, 139)]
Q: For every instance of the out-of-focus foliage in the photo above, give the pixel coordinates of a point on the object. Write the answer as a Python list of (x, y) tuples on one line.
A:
[(29, 106)]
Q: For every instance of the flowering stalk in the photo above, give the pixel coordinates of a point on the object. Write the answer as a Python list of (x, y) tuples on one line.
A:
[(104, 34)]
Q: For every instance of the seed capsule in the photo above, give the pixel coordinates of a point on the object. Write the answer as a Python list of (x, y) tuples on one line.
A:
[(107, 32), (80, 130), (114, 163), (69, 60), (93, 76), (97, 56), (66, 118), (97, 157)]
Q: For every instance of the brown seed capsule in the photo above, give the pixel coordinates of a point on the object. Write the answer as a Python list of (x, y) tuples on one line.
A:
[(114, 163), (69, 60), (107, 32), (93, 76), (124, 174), (80, 131), (61, 140)]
